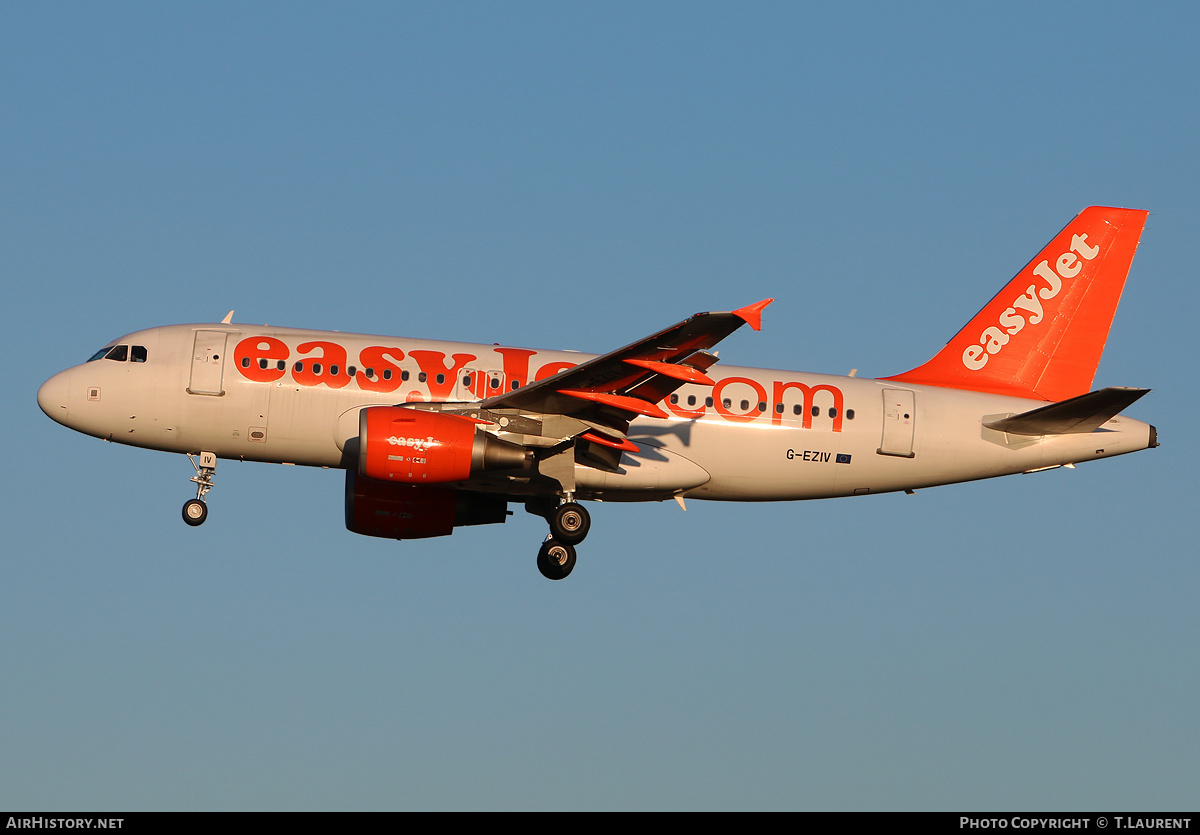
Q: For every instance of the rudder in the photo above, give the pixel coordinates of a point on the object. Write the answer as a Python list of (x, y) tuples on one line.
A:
[(1042, 335)]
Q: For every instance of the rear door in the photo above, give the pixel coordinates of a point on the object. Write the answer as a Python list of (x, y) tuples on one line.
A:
[(899, 418)]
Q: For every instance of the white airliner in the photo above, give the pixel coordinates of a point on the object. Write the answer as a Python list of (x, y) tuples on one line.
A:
[(434, 435)]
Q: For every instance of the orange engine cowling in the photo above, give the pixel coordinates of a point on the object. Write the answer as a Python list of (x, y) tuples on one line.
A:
[(409, 511), (411, 446)]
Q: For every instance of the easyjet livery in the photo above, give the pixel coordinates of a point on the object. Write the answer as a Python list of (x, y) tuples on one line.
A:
[(434, 435)]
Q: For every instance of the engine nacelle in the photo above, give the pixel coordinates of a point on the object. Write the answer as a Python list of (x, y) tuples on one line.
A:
[(409, 511), (413, 446)]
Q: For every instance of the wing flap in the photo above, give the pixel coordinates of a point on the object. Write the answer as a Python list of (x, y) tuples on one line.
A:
[(616, 387)]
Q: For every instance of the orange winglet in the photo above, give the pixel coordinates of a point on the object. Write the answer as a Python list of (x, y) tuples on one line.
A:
[(597, 438), (619, 401), (679, 372), (752, 313)]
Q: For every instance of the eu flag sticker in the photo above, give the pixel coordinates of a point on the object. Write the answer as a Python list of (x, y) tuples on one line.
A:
[(842, 458)]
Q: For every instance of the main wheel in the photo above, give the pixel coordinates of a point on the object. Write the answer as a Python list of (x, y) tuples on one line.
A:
[(570, 523), (195, 512), (555, 559)]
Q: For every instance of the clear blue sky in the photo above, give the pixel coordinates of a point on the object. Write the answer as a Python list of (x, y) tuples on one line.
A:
[(576, 176)]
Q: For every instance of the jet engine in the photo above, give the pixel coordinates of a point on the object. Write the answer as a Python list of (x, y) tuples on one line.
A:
[(408, 511), (412, 446)]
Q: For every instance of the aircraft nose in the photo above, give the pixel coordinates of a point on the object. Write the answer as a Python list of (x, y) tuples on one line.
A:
[(52, 397)]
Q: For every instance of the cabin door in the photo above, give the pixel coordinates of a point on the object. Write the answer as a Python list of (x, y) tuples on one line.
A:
[(899, 416)]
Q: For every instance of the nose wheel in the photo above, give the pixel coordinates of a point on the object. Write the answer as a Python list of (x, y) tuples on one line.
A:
[(195, 511)]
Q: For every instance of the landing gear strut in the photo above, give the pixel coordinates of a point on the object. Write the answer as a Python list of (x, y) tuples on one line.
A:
[(569, 524), (195, 511)]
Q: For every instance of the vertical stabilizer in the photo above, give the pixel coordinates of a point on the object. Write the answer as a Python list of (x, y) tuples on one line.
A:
[(1043, 334)]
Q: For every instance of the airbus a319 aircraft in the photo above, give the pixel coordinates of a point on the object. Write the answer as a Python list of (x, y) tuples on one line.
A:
[(434, 435)]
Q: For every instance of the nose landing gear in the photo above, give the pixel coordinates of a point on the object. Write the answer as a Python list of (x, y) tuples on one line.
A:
[(195, 511)]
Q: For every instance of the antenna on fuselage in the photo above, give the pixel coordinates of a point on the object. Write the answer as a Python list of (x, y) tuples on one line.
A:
[(228, 318)]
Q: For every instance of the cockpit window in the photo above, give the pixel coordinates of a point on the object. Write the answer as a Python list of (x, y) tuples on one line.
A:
[(138, 354), (99, 355), (120, 353)]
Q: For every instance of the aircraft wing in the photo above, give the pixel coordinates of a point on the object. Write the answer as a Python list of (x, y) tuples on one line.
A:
[(616, 387)]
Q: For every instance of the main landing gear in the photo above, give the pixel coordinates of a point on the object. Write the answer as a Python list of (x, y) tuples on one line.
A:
[(555, 559), (195, 511), (569, 524)]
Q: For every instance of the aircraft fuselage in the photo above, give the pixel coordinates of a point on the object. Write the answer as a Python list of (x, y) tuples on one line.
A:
[(288, 396)]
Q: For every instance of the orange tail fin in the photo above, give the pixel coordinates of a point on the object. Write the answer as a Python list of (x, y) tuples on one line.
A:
[(1043, 334)]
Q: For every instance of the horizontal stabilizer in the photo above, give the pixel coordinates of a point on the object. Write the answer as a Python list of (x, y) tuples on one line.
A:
[(1081, 414)]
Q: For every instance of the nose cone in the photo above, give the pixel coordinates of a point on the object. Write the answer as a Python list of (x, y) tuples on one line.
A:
[(52, 397)]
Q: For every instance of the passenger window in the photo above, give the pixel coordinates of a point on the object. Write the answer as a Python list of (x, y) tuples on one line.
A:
[(816, 411), (387, 373), (351, 371), (779, 408), (119, 354), (796, 409), (674, 398), (245, 362), (762, 407), (403, 375), (370, 372), (317, 368), (849, 414), (298, 367), (516, 384), (745, 405), (833, 413), (726, 402), (333, 371), (441, 378), (708, 401), (422, 377), (281, 365), (262, 364), (467, 380), (691, 400), (494, 383), (139, 353)]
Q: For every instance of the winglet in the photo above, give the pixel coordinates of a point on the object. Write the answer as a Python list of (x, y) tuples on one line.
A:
[(752, 313)]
